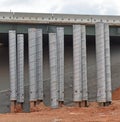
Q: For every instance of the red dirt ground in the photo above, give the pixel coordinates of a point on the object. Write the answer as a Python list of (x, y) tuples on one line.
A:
[(93, 113), (116, 94)]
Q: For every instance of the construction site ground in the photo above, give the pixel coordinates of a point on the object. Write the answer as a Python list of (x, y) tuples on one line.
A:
[(93, 113)]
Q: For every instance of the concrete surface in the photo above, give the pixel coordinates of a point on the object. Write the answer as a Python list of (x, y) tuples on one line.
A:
[(91, 61)]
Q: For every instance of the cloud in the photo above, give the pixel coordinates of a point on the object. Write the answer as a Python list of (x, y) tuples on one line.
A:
[(94, 7), (104, 7), (30, 5)]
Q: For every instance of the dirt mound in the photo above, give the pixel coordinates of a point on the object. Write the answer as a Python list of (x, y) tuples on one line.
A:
[(39, 107), (116, 94), (93, 113)]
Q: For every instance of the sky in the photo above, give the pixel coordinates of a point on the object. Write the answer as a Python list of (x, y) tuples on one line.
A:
[(99, 7)]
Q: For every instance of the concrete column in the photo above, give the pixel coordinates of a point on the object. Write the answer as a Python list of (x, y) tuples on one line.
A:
[(53, 70), (77, 82), (60, 47), (100, 60), (20, 67), (12, 64), (107, 64), (39, 64), (13, 69), (84, 64), (32, 63)]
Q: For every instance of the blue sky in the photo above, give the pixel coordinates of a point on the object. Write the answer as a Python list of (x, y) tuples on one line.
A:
[(100, 7)]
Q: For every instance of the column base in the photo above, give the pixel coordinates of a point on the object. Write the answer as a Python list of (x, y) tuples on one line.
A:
[(103, 104), (33, 106), (84, 103), (19, 107), (37, 105), (108, 103), (61, 103), (77, 104), (38, 102), (13, 106), (40, 105)]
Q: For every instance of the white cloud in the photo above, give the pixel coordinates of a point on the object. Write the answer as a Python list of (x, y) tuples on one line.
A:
[(62, 6)]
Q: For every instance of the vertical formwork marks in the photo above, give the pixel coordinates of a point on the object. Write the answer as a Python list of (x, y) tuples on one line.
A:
[(107, 63), (16, 63), (20, 68), (103, 63), (32, 63), (13, 69), (100, 60), (77, 83), (35, 66), (53, 69), (39, 64), (60, 61), (80, 64), (84, 64), (13, 65)]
